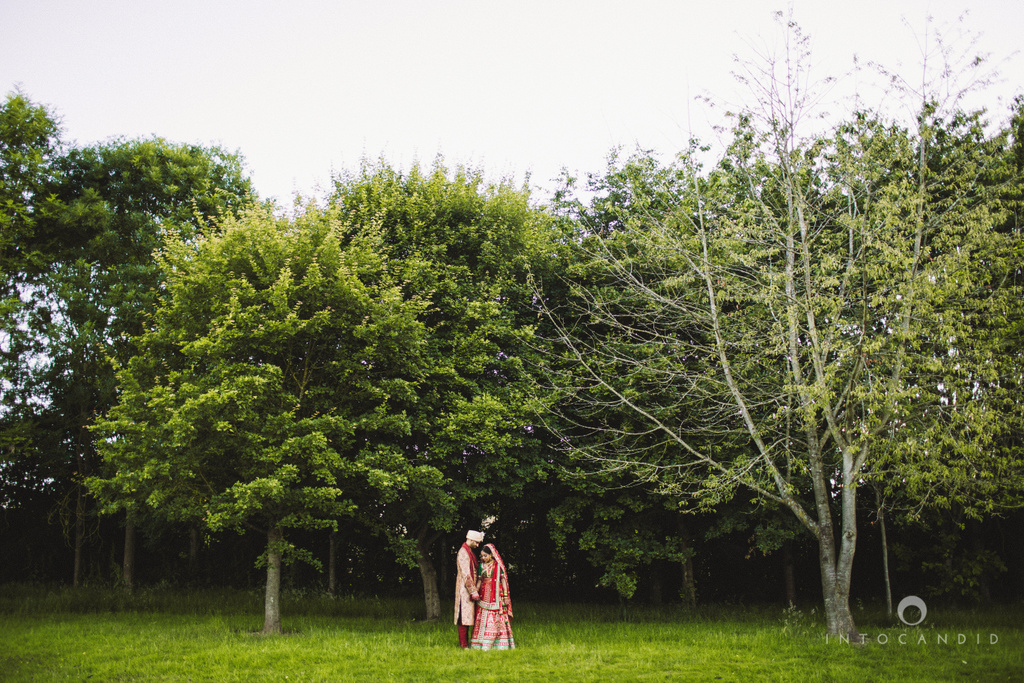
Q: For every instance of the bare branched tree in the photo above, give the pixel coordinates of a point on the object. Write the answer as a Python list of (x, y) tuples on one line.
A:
[(770, 327)]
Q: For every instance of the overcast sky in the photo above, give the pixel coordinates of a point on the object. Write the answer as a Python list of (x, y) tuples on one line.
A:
[(307, 87)]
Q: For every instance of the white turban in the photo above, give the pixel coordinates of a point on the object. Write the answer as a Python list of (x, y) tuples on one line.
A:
[(477, 536)]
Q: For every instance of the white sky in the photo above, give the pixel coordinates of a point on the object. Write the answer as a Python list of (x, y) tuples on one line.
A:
[(306, 87)]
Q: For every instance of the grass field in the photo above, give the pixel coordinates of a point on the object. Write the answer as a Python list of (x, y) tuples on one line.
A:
[(102, 635)]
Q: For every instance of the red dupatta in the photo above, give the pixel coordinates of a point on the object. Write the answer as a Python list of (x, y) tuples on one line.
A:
[(500, 579), (473, 571)]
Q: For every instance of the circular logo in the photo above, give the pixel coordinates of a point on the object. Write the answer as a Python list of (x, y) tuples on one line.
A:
[(912, 601)]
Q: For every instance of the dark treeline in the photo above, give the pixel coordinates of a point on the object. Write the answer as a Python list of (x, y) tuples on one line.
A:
[(726, 568), (673, 383)]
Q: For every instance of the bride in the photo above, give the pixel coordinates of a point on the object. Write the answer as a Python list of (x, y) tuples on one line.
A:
[(493, 627)]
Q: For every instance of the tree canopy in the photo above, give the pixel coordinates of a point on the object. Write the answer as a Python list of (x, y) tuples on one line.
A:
[(468, 247), (275, 371), (81, 226)]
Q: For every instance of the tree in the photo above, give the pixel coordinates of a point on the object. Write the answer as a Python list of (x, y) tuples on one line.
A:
[(81, 227), (268, 376), (29, 141), (806, 296), (623, 530), (469, 429)]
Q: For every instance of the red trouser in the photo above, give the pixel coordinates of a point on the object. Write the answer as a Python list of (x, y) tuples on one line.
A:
[(464, 635)]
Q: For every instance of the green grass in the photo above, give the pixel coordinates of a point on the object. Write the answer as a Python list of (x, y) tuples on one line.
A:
[(102, 635)]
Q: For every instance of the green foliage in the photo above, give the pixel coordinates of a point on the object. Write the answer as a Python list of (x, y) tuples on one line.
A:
[(29, 141), (273, 373), (964, 289), (813, 311), (620, 530), (77, 251), (465, 247), (956, 564)]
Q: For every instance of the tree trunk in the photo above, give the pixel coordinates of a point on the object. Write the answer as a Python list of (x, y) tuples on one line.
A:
[(836, 593), (445, 573), (79, 537), (656, 583), (128, 567), (978, 550), (272, 602), (885, 551), (835, 569), (193, 552), (788, 573), (332, 568), (428, 573), (689, 591), (837, 563)]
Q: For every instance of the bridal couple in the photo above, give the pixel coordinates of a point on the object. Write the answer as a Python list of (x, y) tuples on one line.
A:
[(483, 606)]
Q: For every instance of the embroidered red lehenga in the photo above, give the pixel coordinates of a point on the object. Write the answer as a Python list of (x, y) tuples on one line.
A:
[(493, 627)]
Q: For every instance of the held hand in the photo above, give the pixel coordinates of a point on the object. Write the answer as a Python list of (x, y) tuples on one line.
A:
[(475, 597)]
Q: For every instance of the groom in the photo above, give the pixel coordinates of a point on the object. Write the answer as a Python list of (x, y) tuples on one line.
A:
[(465, 586)]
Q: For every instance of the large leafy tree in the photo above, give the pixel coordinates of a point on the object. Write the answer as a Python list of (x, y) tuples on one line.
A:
[(81, 228), (274, 370), (115, 202), (29, 143), (469, 440), (807, 298)]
